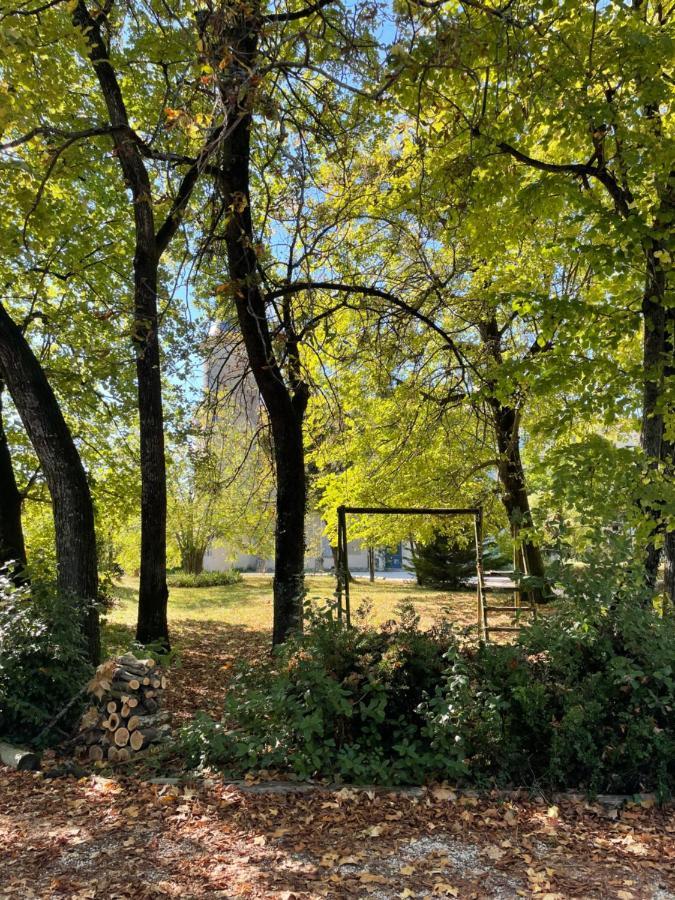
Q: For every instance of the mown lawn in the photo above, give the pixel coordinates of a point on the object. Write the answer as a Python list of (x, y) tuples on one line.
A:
[(249, 603)]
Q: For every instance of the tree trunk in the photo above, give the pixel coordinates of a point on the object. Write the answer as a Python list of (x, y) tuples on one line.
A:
[(289, 538), (192, 559), (12, 547), (285, 401), (652, 436), (66, 479), (514, 494), (659, 374), (510, 470), (152, 626)]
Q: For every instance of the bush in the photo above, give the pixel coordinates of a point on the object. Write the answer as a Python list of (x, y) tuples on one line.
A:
[(204, 579), (583, 701), (43, 662)]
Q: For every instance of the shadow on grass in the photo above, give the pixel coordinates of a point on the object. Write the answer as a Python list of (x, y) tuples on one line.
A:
[(116, 639)]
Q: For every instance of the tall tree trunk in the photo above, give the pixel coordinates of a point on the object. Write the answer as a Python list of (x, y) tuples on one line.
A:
[(510, 470), (153, 595), (289, 537), (514, 494), (652, 437), (152, 626), (659, 372), (12, 547), (66, 479), (285, 401)]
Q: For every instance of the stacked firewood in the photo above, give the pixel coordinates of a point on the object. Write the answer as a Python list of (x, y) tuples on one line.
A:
[(126, 717)]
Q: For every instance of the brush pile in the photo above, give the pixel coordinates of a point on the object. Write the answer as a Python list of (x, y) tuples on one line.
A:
[(125, 717)]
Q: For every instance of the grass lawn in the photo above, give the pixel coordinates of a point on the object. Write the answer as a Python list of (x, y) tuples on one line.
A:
[(249, 603)]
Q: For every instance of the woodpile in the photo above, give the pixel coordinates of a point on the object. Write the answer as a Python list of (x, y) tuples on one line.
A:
[(126, 716)]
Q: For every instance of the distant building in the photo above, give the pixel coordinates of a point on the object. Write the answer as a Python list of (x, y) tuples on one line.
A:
[(229, 384)]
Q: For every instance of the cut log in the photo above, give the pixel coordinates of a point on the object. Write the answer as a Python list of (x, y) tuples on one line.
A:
[(113, 722), (113, 754), (19, 758), (132, 702), (144, 722), (163, 682), (95, 753), (126, 709), (119, 688), (136, 740), (112, 706), (153, 735), (123, 754), (125, 675), (133, 722), (122, 737), (89, 718)]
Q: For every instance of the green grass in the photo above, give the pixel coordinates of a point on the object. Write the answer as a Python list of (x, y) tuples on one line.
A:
[(249, 604)]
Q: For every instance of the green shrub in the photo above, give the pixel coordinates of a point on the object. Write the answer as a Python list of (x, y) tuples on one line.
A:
[(584, 699), (204, 579), (43, 661), (336, 701)]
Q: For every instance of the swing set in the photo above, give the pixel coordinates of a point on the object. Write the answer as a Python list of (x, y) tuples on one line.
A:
[(476, 513)]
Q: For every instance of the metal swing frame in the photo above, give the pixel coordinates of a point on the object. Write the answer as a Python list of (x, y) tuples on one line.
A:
[(342, 562)]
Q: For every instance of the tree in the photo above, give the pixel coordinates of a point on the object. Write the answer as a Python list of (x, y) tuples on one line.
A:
[(73, 510), (569, 103), (12, 546), (90, 36), (238, 42)]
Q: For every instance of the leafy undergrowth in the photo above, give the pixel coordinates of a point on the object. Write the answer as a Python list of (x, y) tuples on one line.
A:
[(583, 700), (101, 839)]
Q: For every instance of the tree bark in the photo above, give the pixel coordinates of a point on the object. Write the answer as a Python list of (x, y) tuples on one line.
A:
[(153, 595), (652, 435), (289, 537), (12, 546), (152, 626), (514, 495), (192, 559), (285, 401), (64, 473)]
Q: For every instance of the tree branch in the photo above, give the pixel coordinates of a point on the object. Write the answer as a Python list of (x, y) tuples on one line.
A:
[(299, 286), (172, 221), (622, 197), (69, 136), (299, 14)]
